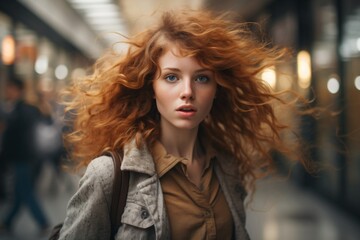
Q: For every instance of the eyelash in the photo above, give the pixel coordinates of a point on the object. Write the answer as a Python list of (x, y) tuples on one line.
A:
[(203, 76), (170, 75), (166, 77)]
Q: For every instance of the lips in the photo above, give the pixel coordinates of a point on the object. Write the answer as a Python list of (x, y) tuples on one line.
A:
[(186, 108)]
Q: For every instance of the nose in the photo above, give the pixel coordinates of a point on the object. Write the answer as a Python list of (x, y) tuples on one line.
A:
[(187, 91)]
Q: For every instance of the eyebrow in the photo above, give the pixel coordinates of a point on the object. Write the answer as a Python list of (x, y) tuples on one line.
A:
[(178, 70)]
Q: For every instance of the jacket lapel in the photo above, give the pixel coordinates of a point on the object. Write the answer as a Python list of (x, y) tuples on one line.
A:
[(140, 160), (150, 190)]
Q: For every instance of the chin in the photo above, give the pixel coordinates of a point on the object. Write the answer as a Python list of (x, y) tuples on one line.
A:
[(187, 126), (182, 124)]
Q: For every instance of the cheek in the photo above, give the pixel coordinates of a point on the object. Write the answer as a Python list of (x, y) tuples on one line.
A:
[(209, 94), (156, 90), (162, 99), (159, 89), (210, 104), (160, 95), (208, 99)]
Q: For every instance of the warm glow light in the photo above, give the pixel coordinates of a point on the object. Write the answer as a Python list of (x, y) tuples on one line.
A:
[(269, 76), (41, 64), (333, 85), (357, 82), (285, 81), (8, 50), (271, 230), (78, 73), (61, 72), (304, 69)]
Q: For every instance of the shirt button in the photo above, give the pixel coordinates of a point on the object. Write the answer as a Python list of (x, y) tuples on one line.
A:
[(144, 214)]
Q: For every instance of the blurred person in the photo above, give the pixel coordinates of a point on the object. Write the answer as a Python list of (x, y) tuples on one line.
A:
[(194, 122), (49, 136), (18, 151), (3, 116)]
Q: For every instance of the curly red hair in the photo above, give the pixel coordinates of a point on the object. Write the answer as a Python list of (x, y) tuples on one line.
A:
[(115, 104)]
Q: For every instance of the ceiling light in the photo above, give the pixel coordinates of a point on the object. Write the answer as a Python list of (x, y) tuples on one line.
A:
[(96, 6), (101, 15), (96, 14), (89, 1)]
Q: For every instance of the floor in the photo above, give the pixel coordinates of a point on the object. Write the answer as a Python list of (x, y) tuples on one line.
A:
[(282, 211), (279, 211)]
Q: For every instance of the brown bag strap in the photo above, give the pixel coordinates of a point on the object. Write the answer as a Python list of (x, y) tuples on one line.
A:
[(119, 193)]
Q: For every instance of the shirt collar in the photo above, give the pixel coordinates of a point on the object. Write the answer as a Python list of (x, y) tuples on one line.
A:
[(164, 161)]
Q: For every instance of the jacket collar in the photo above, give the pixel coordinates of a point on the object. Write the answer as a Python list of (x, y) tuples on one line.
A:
[(138, 159)]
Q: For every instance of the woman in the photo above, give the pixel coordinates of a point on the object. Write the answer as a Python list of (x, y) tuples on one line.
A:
[(194, 123)]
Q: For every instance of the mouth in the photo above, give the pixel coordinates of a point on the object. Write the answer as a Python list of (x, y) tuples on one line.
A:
[(186, 109)]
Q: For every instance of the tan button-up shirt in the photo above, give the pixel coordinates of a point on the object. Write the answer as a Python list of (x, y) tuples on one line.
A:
[(193, 213)]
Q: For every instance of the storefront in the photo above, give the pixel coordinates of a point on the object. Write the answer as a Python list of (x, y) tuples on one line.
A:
[(325, 34), (350, 58), (36, 53)]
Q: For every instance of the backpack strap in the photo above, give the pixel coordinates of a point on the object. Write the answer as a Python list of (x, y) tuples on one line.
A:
[(119, 193)]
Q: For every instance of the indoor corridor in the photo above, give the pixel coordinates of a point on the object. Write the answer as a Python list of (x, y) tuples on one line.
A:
[(279, 211)]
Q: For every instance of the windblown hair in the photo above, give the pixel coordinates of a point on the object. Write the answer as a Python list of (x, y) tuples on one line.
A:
[(115, 104)]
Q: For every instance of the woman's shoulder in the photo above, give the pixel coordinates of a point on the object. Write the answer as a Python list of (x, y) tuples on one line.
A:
[(101, 166), (101, 171), (88, 208)]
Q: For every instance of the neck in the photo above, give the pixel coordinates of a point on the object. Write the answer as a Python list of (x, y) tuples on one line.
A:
[(181, 143)]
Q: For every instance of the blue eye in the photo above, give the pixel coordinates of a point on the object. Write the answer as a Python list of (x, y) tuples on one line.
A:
[(203, 79), (171, 78)]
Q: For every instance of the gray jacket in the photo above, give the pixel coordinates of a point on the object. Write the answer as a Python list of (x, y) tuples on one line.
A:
[(144, 214)]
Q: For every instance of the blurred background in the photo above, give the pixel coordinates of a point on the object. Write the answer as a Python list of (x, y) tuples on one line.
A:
[(47, 43)]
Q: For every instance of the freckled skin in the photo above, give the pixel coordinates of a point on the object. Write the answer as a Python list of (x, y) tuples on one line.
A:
[(183, 81)]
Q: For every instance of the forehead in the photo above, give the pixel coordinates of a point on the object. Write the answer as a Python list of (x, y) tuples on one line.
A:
[(173, 56)]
